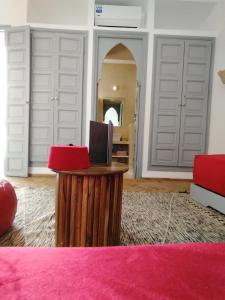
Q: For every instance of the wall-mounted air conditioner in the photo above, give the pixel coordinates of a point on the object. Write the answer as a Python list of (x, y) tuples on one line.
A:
[(118, 16)]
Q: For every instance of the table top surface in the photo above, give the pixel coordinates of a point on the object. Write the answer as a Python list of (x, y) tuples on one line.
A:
[(99, 169)]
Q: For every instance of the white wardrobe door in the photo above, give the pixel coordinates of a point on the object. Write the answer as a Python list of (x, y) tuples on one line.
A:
[(18, 60), (167, 101), (42, 95), (68, 88), (195, 98), (56, 91)]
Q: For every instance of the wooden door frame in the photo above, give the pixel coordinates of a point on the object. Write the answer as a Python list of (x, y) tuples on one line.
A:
[(143, 37)]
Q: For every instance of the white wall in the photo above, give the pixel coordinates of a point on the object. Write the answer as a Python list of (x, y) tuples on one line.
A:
[(193, 15), (74, 13), (66, 12), (13, 12), (183, 20), (217, 120)]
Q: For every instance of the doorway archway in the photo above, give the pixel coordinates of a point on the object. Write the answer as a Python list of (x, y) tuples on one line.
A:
[(117, 102), (137, 45)]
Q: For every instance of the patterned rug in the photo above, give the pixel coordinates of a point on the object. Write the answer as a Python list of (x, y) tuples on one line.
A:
[(147, 218)]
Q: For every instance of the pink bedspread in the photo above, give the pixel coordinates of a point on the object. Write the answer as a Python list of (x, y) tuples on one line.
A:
[(182, 271)]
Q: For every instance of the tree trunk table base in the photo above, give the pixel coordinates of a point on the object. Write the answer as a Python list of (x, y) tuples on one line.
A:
[(88, 206)]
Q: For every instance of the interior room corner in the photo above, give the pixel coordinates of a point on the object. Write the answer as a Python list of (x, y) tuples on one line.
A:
[(112, 153)]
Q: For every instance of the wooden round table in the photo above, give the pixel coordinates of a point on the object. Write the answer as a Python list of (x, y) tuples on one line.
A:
[(88, 206)]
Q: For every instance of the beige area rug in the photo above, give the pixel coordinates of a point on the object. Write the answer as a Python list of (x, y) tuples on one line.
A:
[(147, 218)]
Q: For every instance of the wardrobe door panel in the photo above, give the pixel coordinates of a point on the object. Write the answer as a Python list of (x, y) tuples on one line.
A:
[(167, 100), (194, 100), (42, 89), (18, 100), (69, 88)]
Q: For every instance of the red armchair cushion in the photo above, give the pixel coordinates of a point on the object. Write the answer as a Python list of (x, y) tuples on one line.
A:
[(209, 172)]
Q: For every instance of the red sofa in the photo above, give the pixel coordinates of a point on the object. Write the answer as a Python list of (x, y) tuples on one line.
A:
[(209, 172), (209, 181), (181, 271)]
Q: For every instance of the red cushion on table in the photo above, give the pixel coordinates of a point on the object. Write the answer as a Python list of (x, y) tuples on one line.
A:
[(209, 172), (68, 158), (181, 271)]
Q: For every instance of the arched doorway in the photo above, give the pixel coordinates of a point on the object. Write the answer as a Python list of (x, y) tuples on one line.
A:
[(117, 102), (115, 42)]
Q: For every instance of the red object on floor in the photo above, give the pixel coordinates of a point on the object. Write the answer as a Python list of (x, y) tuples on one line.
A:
[(180, 271), (209, 172), (8, 205), (68, 158)]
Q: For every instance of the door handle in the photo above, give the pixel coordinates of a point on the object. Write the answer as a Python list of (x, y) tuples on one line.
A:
[(54, 99)]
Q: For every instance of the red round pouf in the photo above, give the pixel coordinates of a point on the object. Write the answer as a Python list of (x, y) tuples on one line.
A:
[(8, 205)]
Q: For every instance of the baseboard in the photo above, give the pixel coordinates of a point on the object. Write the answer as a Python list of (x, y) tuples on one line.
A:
[(40, 171), (167, 175)]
